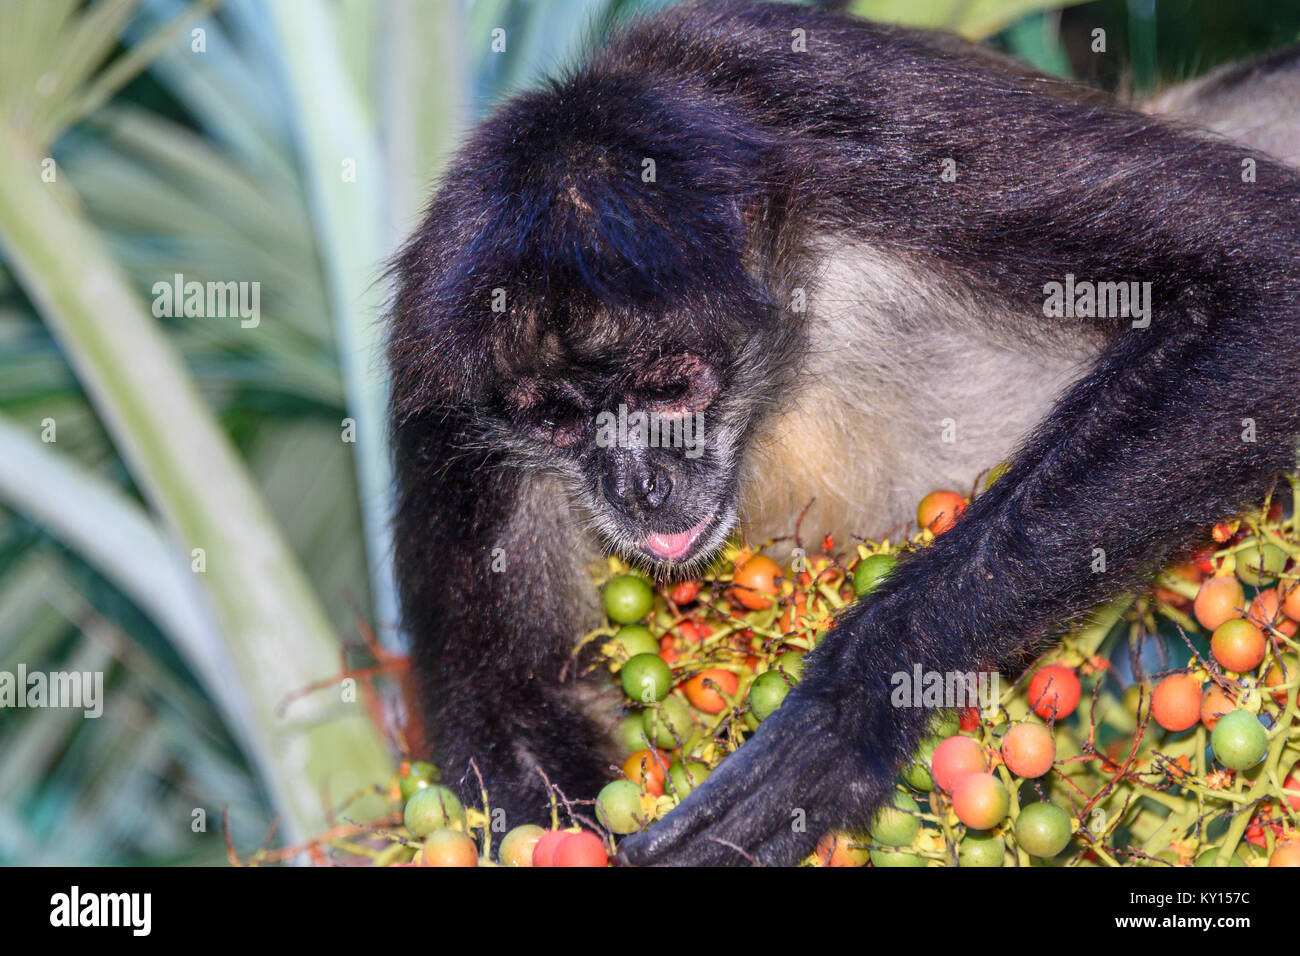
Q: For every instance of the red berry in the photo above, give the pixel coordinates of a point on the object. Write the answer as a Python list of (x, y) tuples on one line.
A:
[(583, 848), (955, 758), (1054, 692), (544, 850)]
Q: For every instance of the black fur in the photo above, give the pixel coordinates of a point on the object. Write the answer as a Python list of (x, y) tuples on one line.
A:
[(758, 149)]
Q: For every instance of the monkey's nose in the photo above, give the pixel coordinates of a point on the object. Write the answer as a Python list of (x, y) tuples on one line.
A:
[(637, 484), (653, 488)]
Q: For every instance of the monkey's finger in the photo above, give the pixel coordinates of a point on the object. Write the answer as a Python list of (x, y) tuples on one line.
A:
[(763, 791), (705, 804), (774, 824)]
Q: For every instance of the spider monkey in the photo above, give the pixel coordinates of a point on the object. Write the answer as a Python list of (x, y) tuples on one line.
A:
[(832, 241)]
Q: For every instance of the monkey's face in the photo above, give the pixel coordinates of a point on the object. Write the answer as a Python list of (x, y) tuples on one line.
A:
[(646, 443), (601, 319)]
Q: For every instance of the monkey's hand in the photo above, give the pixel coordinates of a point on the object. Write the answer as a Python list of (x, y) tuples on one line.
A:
[(825, 760), (769, 802)]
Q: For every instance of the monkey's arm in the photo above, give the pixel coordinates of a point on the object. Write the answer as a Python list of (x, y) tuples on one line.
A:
[(1136, 459), (494, 589)]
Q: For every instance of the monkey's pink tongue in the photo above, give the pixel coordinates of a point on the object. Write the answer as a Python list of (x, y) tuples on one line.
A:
[(674, 545)]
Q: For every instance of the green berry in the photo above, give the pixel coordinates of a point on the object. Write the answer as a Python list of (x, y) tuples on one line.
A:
[(670, 723), (618, 807), (766, 693), (917, 773), (1260, 564), (631, 640), (628, 598), (871, 571), (646, 678), (895, 858), (1043, 829), (419, 775), (434, 807), (897, 823), (686, 776), (1238, 740), (978, 848)]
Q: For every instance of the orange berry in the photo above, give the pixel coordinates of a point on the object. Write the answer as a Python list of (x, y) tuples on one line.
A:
[(1292, 782), (1262, 821), (1266, 611), (545, 847), (685, 592), (1180, 767), (668, 649), (980, 800), (793, 615), (707, 698), (1219, 599), (448, 848), (1290, 591), (647, 770), (1028, 750), (1176, 702), (1238, 645), (1274, 677), (837, 849), (1287, 854), (694, 631), (757, 576), (583, 848), (1206, 562), (939, 510), (1215, 702)]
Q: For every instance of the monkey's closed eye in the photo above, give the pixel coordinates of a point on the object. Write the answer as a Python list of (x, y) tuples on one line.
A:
[(684, 383), (559, 427), (547, 411), (561, 435), (665, 392)]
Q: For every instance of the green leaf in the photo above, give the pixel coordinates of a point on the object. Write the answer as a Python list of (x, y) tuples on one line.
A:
[(973, 19), (274, 628)]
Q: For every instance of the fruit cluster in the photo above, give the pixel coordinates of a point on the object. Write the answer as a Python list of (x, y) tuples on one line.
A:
[(1160, 733)]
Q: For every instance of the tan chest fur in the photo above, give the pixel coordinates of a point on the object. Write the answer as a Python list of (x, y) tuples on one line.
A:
[(907, 387)]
